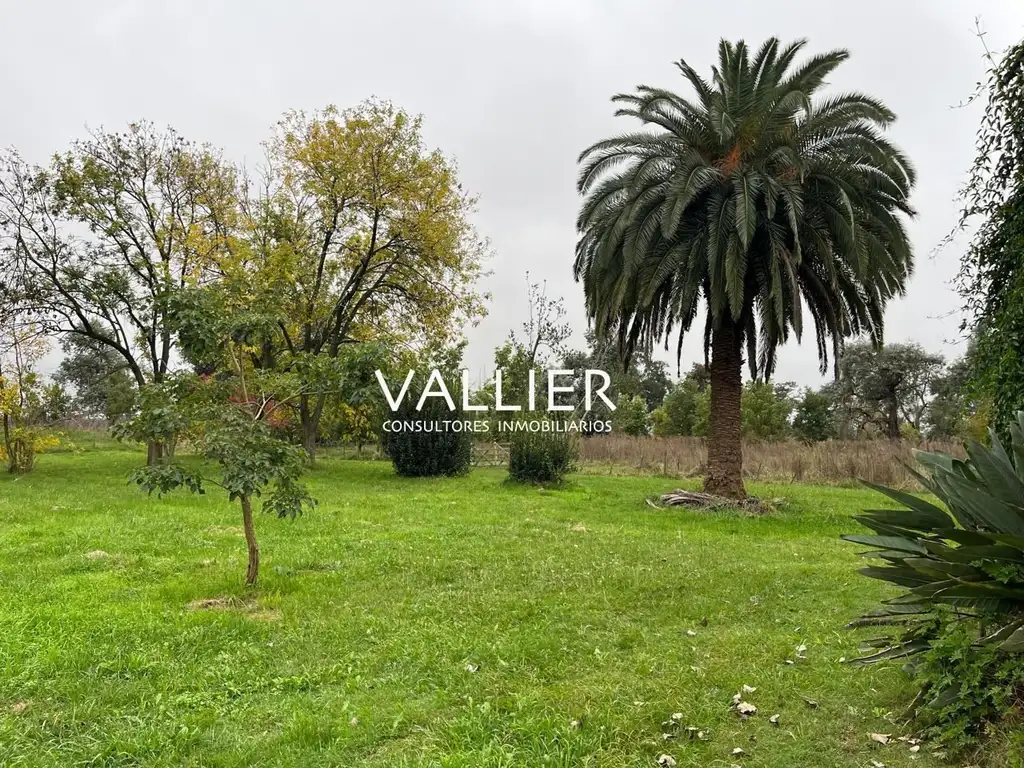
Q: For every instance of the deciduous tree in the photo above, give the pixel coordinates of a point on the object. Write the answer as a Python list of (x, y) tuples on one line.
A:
[(813, 416), (98, 242), (357, 232), (887, 385)]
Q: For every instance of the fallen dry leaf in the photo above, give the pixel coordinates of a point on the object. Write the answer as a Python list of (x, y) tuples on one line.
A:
[(774, 719), (881, 738), (810, 703), (667, 761), (745, 708), (19, 706), (748, 689), (738, 751)]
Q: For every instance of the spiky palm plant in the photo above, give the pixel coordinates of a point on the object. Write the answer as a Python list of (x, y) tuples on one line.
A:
[(969, 558), (960, 615), (756, 197)]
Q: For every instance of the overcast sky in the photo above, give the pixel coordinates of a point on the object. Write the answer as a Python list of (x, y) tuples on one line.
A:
[(512, 90)]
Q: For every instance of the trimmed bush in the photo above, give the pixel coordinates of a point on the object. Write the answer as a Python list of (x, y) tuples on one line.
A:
[(542, 457), (425, 446)]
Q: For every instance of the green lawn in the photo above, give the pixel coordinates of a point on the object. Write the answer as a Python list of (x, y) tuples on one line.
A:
[(429, 623)]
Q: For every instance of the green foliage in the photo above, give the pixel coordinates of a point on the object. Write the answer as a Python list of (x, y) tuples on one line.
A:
[(223, 429), (424, 447), (26, 401), (703, 413), (991, 280), (226, 421), (512, 358), (982, 684), (962, 568), (677, 414), (110, 230), (740, 197), (361, 233), (765, 409), (631, 417), (813, 417), (949, 413), (542, 457), (882, 387), (731, 197)]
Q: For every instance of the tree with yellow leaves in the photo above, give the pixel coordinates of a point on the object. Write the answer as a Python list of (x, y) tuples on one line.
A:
[(357, 233), (21, 395)]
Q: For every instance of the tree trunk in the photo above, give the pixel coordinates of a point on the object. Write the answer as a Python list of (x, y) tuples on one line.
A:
[(892, 421), (725, 444), (9, 445), (252, 573), (309, 426), (154, 453)]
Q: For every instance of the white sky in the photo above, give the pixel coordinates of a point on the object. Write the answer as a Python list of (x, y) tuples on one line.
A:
[(512, 90)]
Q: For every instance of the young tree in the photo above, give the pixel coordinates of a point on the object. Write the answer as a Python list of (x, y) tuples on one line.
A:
[(229, 421), (100, 240), (544, 335), (760, 196), (358, 233)]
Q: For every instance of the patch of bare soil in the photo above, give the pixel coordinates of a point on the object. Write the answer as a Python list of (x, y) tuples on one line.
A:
[(248, 608)]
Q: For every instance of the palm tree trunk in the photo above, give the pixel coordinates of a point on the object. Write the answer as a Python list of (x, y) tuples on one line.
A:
[(252, 572), (724, 475)]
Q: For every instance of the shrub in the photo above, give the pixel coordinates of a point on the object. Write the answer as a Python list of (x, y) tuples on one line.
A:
[(982, 684), (424, 447), (631, 416), (542, 456), (963, 570)]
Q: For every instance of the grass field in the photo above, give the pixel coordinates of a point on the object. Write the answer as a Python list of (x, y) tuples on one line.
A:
[(430, 623)]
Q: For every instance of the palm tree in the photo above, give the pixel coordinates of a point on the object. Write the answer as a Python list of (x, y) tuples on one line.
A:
[(758, 196)]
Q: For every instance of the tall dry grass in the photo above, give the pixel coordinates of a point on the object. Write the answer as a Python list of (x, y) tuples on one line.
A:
[(830, 462)]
